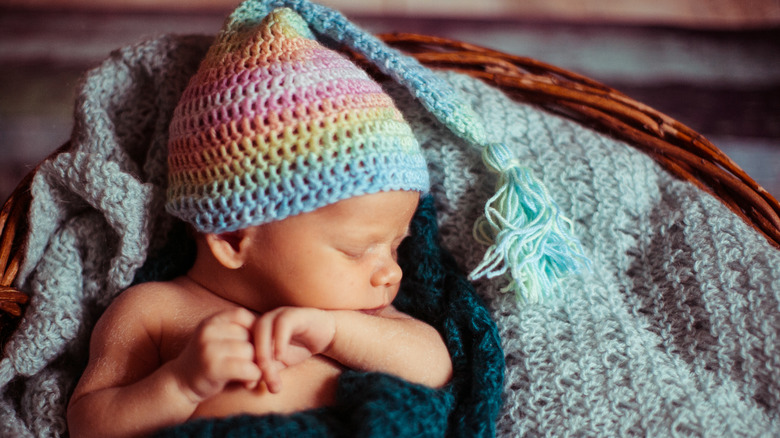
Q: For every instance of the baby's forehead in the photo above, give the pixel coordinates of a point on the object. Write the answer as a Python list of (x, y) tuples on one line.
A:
[(391, 210)]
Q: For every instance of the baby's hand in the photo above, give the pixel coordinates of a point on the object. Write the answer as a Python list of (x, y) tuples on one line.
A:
[(287, 336), (219, 352)]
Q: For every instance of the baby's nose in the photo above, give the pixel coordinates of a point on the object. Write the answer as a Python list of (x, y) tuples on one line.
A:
[(388, 274)]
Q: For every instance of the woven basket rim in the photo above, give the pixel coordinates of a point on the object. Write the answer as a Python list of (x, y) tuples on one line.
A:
[(681, 150)]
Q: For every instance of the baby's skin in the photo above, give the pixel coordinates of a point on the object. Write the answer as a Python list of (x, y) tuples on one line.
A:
[(264, 322)]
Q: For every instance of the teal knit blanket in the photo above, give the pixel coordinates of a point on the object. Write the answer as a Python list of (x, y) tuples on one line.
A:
[(675, 330)]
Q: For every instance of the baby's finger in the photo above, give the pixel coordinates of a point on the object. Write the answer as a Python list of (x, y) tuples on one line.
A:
[(216, 354), (239, 318), (263, 332), (272, 378), (283, 331), (225, 332), (240, 370), (220, 330), (237, 315), (264, 346), (235, 349)]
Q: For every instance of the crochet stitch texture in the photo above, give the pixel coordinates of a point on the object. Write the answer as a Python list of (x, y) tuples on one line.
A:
[(274, 124)]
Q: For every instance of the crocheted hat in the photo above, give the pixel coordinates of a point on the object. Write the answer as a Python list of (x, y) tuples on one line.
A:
[(274, 124)]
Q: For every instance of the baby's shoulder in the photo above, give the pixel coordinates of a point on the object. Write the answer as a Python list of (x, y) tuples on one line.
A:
[(136, 315), (153, 295), (146, 304)]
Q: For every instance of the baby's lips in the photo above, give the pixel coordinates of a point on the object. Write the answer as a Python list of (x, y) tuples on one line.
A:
[(375, 311)]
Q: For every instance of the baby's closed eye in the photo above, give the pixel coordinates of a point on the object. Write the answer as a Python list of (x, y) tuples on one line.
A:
[(353, 250), (353, 253)]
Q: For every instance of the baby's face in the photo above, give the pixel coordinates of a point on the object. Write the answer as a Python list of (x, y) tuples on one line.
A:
[(342, 256)]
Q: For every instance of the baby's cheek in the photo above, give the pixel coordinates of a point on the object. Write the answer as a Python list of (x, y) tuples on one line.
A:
[(332, 281)]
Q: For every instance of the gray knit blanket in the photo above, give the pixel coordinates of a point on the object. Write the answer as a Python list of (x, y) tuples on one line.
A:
[(675, 330)]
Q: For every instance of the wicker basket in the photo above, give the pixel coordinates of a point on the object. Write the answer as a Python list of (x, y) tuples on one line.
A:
[(681, 150)]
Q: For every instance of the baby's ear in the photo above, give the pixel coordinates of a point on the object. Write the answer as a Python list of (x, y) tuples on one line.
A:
[(230, 249)]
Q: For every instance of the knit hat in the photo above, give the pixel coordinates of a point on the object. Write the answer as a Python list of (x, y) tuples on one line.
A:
[(274, 124)]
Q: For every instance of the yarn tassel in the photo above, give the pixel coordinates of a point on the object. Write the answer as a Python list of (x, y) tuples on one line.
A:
[(529, 237)]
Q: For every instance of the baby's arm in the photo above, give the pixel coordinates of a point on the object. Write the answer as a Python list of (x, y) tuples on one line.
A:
[(390, 342), (394, 343), (126, 391)]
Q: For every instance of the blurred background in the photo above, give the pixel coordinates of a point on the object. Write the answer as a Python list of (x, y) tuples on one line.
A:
[(714, 65)]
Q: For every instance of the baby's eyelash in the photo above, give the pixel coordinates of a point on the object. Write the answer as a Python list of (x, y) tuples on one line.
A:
[(352, 254), (358, 252), (354, 251)]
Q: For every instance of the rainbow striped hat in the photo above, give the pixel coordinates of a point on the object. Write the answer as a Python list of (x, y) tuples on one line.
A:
[(274, 124)]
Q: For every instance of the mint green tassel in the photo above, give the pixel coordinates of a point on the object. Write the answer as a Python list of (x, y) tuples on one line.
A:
[(528, 236)]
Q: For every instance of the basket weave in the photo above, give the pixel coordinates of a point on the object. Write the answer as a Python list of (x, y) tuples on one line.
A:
[(679, 149)]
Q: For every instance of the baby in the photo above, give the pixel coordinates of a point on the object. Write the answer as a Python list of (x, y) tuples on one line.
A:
[(300, 178)]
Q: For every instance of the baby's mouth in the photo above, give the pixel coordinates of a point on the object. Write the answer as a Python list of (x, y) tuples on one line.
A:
[(373, 312)]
